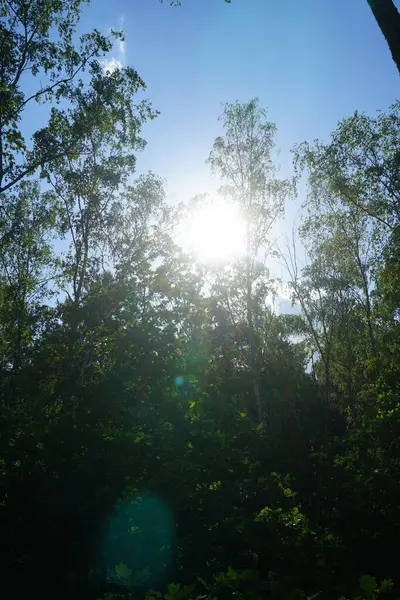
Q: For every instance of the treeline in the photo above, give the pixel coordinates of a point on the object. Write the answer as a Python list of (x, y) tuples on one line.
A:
[(164, 432)]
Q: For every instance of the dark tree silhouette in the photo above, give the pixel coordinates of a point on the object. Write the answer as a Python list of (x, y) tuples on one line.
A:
[(388, 18)]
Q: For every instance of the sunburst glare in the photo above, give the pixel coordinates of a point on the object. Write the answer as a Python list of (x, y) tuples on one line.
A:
[(214, 231)]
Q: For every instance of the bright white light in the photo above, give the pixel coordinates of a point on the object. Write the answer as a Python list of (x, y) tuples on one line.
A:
[(110, 64), (214, 232)]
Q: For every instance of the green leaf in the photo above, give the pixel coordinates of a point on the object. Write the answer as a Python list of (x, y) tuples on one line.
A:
[(232, 574), (124, 572), (153, 595), (368, 584), (386, 586), (173, 592)]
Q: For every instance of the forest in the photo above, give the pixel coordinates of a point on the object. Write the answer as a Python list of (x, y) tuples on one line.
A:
[(165, 432)]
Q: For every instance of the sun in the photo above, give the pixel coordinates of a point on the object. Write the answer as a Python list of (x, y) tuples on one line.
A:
[(213, 232)]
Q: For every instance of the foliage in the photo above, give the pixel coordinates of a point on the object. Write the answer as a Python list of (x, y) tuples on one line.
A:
[(243, 159), (164, 433), (37, 42)]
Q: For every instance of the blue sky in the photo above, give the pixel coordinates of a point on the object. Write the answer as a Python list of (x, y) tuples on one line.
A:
[(311, 62)]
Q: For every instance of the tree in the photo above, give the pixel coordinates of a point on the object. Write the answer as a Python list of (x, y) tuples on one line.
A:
[(388, 18), (349, 296), (163, 434), (360, 164), (335, 290), (27, 225), (30, 52), (87, 183), (242, 157), (357, 173)]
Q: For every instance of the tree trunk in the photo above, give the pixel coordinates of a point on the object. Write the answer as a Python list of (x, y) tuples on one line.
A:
[(388, 18), (254, 366)]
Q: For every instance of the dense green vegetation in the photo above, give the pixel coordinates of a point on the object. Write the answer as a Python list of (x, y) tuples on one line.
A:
[(164, 432)]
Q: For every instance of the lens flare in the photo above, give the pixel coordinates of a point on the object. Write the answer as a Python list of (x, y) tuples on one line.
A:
[(138, 543)]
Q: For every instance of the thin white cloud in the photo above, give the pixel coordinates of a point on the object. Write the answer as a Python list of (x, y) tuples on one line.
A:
[(111, 64), (118, 59)]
